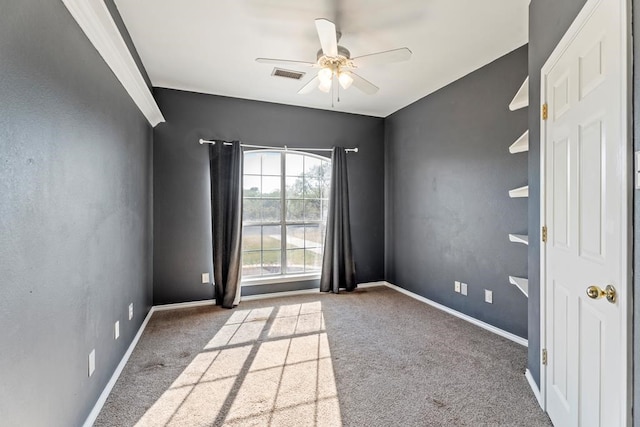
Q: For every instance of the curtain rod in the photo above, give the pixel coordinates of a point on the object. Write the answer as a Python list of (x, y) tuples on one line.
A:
[(285, 148)]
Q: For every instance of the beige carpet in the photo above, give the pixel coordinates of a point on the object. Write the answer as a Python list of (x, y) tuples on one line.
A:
[(373, 357)]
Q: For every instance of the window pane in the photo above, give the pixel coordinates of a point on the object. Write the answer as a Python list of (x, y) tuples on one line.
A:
[(251, 264), (312, 165), (295, 236), (271, 262), (251, 186), (325, 209), (312, 260), (271, 164), (295, 188), (251, 210), (295, 260), (271, 210), (295, 164), (312, 210), (306, 188), (312, 188), (251, 238), (314, 236), (325, 172), (324, 179), (252, 163), (295, 210), (271, 186), (271, 237), (325, 184)]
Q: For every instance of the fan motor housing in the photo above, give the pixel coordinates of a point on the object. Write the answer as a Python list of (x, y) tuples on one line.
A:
[(342, 51)]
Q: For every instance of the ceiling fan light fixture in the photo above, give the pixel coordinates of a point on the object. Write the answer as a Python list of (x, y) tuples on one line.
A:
[(325, 75), (325, 85), (345, 80)]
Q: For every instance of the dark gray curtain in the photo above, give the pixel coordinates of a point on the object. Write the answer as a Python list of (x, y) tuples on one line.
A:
[(337, 263), (226, 211)]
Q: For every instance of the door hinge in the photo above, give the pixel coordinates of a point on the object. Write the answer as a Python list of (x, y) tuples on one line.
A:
[(544, 356), (545, 111), (544, 233)]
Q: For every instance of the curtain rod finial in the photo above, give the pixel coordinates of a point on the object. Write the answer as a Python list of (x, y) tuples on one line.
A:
[(201, 141), (355, 150)]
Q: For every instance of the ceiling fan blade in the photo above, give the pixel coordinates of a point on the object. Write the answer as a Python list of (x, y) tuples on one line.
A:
[(386, 57), (313, 83), (327, 35), (285, 62), (364, 85)]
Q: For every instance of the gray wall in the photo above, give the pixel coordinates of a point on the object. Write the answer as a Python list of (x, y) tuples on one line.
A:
[(75, 216), (448, 174), (548, 21), (182, 211)]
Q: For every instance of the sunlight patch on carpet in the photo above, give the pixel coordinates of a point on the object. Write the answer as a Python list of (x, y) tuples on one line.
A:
[(265, 367)]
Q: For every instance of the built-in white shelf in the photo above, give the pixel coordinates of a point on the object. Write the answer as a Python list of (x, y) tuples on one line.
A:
[(519, 238), (521, 145), (519, 192), (521, 99), (521, 283)]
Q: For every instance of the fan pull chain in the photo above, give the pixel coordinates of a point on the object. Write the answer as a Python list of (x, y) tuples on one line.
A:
[(332, 92)]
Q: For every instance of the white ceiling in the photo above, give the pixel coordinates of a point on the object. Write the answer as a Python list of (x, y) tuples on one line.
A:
[(210, 46)]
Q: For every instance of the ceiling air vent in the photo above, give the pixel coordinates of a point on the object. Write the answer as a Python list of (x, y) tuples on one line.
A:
[(296, 75)]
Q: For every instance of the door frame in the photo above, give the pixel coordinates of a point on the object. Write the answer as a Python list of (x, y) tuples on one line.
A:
[(626, 182)]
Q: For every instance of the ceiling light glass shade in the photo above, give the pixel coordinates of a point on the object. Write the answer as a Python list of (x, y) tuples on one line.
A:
[(345, 80), (325, 85), (325, 76)]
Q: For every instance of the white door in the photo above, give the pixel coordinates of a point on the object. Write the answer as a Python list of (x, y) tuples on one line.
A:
[(585, 207)]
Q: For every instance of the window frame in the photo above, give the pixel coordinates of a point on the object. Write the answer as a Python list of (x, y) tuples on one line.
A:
[(269, 279)]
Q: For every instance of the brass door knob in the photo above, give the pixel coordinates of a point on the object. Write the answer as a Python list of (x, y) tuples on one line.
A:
[(594, 292)]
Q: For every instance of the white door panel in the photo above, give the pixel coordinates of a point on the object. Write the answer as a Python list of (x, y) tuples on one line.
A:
[(585, 142)]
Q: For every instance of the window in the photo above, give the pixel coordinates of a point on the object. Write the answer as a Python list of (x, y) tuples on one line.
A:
[(284, 213)]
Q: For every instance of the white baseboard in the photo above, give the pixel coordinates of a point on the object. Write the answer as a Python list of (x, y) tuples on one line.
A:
[(91, 418), (473, 320), (177, 305), (371, 285), (534, 387)]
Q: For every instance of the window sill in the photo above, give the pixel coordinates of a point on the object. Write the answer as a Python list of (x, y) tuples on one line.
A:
[(280, 279)]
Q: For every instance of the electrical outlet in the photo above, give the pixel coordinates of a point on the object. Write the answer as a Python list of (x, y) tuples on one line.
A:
[(463, 288), (488, 296), (116, 332), (456, 286), (130, 311), (92, 361), (205, 278)]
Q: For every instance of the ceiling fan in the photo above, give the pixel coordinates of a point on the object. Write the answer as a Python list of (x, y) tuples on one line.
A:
[(334, 61)]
